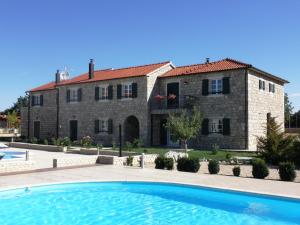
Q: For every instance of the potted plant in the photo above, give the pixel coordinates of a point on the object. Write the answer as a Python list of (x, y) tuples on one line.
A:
[(86, 142), (65, 143), (159, 98)]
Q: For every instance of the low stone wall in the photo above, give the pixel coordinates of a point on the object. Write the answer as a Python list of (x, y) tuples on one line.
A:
[(120, 161), (50, 148), (76, 161), (7, 166), (93, 151)]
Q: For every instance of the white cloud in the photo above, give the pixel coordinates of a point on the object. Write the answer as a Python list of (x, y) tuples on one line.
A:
[(295, 95)]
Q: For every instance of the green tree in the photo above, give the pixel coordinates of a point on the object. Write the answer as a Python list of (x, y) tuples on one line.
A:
[(12, 119), (275, 146), (21, 102), (288, 109), (186, 125)]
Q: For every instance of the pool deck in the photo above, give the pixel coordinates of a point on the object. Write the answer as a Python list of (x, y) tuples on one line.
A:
[(115, 173)]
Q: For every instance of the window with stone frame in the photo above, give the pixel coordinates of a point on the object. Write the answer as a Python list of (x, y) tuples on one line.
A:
[(216, 126), (103, 92), (127, 90), (37, 100), (103, 125), (74, 95), (216, 86)]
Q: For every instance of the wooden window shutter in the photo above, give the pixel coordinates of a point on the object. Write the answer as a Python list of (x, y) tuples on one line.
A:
[(205, 84), (204, 129), (97, 93), (110, 126), (68, 95), (41, 100), (32, 100), (97, 130), (226, 126), (119, 91), (260, 84), (226, 85), (110, 92), (264, 85), (79, 94), (134, 90)]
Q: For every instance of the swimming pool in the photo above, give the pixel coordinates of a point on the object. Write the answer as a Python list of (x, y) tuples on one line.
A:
[(8, 154), (142, 203)]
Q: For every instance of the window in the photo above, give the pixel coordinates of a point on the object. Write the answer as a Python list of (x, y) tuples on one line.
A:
[(262, 85), (216, 86), (272, 87), (103, 125), (37, 100), (74, 95), (103, 92), (127, 91), (216, 126)]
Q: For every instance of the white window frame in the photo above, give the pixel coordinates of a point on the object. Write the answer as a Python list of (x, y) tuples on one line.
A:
[(103, 92), (127, 90), (74, 94), (216, 86), (36, 100), (103, 125), (215, 126)]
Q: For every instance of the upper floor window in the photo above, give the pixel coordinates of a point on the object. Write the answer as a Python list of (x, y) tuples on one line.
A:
[(217, 86), (127, 90), (74, 95), (103, 92), (272, 87), (262, 85), (37, 100)]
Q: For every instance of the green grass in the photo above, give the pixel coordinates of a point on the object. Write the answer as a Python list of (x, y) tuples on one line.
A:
[(221, 155)]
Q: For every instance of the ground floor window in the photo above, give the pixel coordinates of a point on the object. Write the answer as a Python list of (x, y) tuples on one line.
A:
[(216, 126)]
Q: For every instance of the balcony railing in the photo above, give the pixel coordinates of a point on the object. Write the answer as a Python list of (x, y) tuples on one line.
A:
[(181, 102)]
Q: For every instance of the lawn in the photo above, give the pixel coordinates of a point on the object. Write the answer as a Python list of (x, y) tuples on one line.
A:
[(201, 154)]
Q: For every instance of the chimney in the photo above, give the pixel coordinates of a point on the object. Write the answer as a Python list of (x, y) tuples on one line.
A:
[(57, 76), (91, 69), (206, 60)]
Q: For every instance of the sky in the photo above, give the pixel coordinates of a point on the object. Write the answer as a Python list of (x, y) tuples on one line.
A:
[(38, 37)]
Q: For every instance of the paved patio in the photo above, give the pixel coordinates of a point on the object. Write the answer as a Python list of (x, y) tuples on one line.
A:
[(115, 173)]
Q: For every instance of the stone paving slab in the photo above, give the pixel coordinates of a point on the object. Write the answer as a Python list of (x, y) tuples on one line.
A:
[(117, 173)]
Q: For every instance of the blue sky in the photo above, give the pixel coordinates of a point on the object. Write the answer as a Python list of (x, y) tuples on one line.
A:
[(38, 37)]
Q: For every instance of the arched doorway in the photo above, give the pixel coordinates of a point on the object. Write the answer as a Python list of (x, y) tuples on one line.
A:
[(131, 129)]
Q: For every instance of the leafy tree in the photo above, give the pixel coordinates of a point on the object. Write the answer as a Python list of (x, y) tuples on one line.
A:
[(12, 119), (288, 108), (186, 125), (275, 146), (21, 102)]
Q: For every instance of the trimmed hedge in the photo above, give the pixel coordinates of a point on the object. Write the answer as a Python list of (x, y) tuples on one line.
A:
[(236, 171), (213, 167), (259, 169), (188, 164), (162, 162), (287, 171)]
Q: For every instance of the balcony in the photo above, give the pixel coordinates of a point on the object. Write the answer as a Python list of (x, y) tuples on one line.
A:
[(164, 105)]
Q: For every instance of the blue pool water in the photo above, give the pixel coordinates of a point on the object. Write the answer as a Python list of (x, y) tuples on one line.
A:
[(141, 203), (11, 154)]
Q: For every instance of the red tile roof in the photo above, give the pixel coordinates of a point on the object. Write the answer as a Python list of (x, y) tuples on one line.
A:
[(225, 64), (108, 74)]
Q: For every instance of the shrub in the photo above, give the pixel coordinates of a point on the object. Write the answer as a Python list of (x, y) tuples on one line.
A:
[(65, 142), (99, 146), (259, 169), (169, 163), (145, 151), (236, 171), (228, 156), (34, 140), (86, 142), (114, 145), (137, 143), (188, 164), (129, 161), (213, 167), (46, 142), (215, 149), (287, 171), (159, 162)]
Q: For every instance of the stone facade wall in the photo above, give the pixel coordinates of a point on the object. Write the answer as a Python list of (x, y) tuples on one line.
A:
[(46, 114), (24, 121), (230, 106), (263, 102)]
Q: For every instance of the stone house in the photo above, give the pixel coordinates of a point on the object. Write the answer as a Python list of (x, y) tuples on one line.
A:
[(235, 98)]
